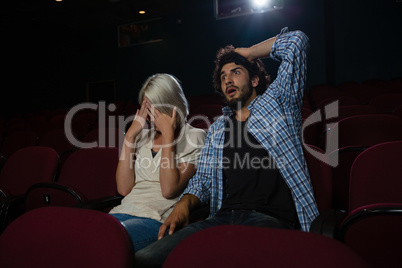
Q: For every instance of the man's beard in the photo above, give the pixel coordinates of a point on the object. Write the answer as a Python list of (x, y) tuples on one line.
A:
[(238, 103)]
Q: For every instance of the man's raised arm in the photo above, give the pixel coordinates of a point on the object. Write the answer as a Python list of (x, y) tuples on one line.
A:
[(257, 51)]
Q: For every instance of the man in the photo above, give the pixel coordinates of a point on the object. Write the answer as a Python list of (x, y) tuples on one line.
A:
[(252, 170)]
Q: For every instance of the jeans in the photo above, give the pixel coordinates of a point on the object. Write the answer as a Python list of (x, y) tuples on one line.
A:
[(155, 254), (143, 231)]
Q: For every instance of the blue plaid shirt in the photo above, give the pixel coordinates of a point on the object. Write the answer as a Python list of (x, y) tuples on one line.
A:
[(275, 122)]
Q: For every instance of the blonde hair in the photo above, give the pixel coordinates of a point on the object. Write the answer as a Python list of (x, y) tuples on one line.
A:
[(165, 92)]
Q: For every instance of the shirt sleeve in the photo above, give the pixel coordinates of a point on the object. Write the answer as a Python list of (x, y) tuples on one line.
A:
[(290, 48), (200, 184)]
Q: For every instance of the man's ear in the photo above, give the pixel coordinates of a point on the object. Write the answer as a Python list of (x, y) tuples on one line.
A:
[(255, 81)]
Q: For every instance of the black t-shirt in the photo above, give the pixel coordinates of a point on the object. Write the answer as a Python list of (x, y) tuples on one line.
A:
[(251, 179)]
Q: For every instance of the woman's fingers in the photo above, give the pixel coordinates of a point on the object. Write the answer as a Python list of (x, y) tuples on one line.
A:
[(152, 110), (160, 120), (143, 109), (141, 114), (151, 116)]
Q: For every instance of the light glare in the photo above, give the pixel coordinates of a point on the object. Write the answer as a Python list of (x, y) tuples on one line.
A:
[(260, 3)]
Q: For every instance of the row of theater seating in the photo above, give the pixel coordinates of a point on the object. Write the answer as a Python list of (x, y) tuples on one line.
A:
[(324, 104), (47, 128), (353, 151), (33, 177), (42, 137), (71, 237), (345, 130), (373, 216), (336, 200), (351, 92), (346, 139), (372, 221)]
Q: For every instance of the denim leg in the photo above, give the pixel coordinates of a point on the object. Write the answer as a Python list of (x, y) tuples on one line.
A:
[(254, 218), (155, 254), (143, 231)]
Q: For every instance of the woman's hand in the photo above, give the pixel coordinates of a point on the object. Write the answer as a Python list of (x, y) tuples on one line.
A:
[(138, 123), (165, 124)]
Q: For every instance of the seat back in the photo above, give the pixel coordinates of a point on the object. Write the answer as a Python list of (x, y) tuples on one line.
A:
[(398, 110), (105, 137), (373, 224), (350, 110), (310, 132), (341, 175), (366, 130), (248, 246), (39, 124), (88, 115), (321, 177), (374, 232), (28, 166), (65, 237), (386, 103), (88, 175), (91, 171), (342, 101), (57, 139), (376, 176), (211, 111), (16, 140)]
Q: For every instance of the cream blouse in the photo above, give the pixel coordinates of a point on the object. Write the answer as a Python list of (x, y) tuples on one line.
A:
[(145, 199)]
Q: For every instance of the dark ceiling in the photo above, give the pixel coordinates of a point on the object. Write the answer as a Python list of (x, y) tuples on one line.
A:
[(85, 14)]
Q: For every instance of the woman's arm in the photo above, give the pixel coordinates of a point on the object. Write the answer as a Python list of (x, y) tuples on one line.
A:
[(172, 177), (125, 172)]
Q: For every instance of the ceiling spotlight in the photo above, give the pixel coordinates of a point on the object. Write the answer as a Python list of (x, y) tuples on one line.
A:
[(142, 12), (260, 3)]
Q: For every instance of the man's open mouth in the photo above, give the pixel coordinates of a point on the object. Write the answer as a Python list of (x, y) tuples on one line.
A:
[(231, 91)]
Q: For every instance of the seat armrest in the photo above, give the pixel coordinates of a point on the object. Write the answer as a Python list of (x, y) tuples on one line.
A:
[(10, 208), (102, 203), (52, 194), (3, 194), (328, 222)]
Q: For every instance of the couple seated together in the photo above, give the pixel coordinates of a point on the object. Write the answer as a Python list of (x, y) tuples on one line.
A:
[(249, 168)]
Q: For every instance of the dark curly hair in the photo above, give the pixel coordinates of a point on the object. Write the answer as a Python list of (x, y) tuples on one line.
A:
[(256, 67)]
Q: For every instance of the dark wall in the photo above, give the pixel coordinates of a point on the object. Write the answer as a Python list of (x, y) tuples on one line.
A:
[(368, 39), (189, 49), (49, 66)]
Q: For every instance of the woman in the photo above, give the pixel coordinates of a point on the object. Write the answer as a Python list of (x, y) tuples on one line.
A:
[(157, 162)]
